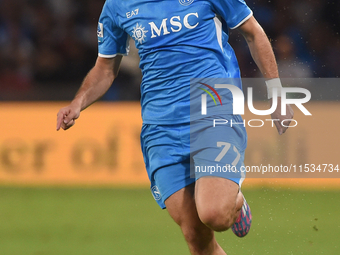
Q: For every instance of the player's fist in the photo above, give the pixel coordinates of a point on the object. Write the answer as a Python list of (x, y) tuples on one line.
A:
[(278, 117), (66, 116)]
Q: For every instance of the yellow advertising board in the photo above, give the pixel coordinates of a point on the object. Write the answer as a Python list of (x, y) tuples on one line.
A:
[(103, 148)]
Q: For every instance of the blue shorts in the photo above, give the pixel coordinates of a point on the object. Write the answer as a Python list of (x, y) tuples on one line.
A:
[(176, 156)]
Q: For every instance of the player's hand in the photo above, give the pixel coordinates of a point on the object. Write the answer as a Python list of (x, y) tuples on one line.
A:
[(66, 116), (276, 115)]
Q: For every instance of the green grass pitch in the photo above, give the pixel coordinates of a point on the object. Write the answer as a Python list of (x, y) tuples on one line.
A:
[(103, 221)]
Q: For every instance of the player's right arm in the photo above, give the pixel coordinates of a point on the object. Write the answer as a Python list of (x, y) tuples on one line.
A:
[(262, 53), (94, 86)]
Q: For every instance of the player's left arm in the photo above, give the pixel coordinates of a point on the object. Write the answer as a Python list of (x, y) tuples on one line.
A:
[(263, 55)]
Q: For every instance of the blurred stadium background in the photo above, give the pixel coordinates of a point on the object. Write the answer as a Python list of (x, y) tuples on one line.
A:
[(85, 191)]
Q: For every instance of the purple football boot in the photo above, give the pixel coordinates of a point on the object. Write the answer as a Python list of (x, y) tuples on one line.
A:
[(242, 224)]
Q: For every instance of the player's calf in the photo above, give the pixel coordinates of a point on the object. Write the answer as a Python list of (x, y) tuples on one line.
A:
[(200, 239)]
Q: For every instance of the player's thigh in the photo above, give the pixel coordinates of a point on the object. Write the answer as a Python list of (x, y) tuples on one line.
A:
[(181, 205), (216, 195)]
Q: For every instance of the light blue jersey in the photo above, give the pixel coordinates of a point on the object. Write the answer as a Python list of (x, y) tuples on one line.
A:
[(177, 40)]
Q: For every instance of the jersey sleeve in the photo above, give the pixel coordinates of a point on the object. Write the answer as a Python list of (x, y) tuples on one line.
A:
[(112, 40), (234, 12)]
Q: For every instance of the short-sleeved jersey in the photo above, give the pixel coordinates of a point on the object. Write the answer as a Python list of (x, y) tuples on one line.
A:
[(177, 40)]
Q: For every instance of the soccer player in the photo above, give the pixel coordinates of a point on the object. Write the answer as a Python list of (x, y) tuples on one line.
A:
[(178, 40)]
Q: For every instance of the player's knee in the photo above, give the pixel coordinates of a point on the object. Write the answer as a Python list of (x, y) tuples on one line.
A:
[(217, 220)]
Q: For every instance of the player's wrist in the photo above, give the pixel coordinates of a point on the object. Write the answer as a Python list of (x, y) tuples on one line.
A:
[(272, 85), (77, 103)]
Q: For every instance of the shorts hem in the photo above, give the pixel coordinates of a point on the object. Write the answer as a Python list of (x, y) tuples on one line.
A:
[(173, 190), (238, 181)]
